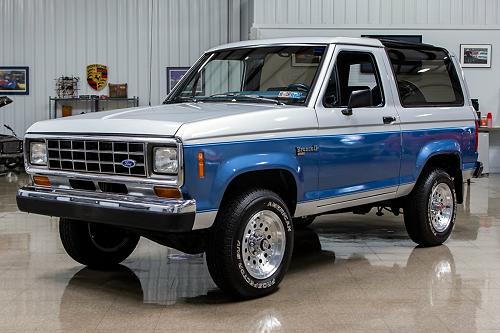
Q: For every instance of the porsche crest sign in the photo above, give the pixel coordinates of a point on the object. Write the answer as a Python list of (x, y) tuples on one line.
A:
[(97, 76)]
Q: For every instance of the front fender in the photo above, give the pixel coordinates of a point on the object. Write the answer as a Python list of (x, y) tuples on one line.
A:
[(239, 165), (437, 148)]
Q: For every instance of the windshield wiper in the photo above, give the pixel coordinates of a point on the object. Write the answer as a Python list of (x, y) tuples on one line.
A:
[(247, 96)]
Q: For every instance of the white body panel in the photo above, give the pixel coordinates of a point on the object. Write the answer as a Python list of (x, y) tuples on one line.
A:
[(301, 40)]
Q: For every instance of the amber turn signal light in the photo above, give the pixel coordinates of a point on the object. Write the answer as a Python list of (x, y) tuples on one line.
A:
[(201, 165), (168, 192), (41, 181)]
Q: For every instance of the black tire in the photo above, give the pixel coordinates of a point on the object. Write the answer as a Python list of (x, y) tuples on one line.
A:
[(417, 209), (226, 244), (96, 245), (303, 221)]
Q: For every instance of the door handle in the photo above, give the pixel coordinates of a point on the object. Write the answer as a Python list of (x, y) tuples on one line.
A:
[(389, 120)]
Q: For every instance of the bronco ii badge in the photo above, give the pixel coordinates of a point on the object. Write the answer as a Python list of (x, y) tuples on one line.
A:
[(97, 76), (303, 150)]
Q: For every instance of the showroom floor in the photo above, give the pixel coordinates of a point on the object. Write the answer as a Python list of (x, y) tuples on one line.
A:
[(349, 273)]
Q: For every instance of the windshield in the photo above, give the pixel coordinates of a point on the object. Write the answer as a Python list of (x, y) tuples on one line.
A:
[(277, 74)]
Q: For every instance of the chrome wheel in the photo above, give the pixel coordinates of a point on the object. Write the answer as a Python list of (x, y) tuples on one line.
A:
[(264, 242), (441, 207)]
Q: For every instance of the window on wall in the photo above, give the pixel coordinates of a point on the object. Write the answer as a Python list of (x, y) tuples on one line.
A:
[(425, 77), (353, 71)]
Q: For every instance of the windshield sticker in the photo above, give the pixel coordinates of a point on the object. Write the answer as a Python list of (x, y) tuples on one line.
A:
[(290, 94)]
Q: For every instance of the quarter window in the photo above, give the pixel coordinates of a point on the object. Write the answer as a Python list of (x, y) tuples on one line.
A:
[(353, 71), (425, 77)]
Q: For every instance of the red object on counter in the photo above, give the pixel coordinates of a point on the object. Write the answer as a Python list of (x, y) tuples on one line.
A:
[(489, 119)]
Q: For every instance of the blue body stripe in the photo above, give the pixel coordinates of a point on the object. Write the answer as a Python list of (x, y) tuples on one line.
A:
[(345, 163)]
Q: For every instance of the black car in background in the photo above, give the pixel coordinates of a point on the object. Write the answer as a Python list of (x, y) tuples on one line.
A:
[(11, 146)]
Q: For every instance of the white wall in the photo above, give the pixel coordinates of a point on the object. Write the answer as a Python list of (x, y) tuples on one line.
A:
[(61, 37), (377, 12)]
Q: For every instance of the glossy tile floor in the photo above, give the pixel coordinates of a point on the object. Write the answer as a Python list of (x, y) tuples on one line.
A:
[(349, 273)]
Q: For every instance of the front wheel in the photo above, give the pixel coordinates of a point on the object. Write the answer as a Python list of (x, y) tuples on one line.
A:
[(430, 209), (96, 245), (251, 244)]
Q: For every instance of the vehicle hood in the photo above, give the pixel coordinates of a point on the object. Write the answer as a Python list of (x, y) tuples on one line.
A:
[(7, 138), (163, 120)]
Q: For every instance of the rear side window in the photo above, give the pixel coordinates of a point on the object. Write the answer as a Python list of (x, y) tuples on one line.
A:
[(425, 77)]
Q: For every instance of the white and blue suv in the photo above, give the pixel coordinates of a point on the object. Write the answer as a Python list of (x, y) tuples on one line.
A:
[(257, 139)]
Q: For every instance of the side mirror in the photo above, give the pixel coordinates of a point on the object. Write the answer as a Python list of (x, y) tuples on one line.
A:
[(358, 99)]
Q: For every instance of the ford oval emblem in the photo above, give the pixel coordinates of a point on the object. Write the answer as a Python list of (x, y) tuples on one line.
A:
[(128, 163)]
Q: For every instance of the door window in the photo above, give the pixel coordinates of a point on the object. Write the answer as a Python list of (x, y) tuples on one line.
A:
[(353, 71)]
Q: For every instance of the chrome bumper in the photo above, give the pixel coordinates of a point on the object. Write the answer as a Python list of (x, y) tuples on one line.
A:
[(147, 213)]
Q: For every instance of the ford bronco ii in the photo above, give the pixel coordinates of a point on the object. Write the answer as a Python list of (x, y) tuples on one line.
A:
[(257, 139)]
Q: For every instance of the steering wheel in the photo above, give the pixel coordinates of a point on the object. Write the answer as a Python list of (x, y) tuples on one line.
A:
[(408, 90), (298, 86)]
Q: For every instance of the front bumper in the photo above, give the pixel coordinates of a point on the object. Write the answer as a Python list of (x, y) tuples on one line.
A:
[(164, 215), (10, 156)]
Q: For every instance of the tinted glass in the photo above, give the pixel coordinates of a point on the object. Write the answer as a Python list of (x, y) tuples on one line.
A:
[(353, 71), (425, 77), (284, 73)]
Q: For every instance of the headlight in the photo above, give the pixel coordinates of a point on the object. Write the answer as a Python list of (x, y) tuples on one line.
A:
[(165, 160), (38, 153)]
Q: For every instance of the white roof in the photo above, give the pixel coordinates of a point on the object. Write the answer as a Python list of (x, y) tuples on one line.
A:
[(302, 40)]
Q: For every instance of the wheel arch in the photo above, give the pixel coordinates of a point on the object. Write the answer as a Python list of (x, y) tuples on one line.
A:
[(279, 180), (451, 162)]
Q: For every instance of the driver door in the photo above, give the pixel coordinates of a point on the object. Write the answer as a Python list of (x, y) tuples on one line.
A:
[(360, 154)]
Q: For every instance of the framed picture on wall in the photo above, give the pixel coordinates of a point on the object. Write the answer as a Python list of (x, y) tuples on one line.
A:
[(175, 74), (475, 55), (14, 80)]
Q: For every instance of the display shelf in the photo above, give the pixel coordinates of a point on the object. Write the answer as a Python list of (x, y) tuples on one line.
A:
[(93, 103), (489, 129)]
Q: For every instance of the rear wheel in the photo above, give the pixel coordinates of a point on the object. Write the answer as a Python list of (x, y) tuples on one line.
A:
[(96, 245), (430, 209), (251, 244)]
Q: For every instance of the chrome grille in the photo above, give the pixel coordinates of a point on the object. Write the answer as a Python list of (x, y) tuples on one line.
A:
[(97, 156)]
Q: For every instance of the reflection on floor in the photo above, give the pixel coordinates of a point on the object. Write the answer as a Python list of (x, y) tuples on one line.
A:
[(348, 273)]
